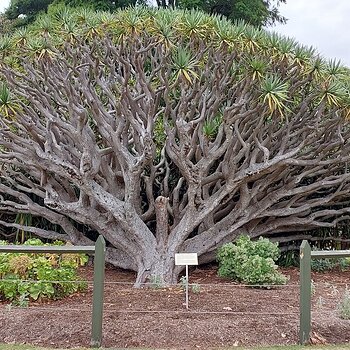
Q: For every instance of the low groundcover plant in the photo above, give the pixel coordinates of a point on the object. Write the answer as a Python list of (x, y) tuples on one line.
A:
[(25, 277)]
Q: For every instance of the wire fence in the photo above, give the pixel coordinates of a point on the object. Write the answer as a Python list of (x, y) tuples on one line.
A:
[(220, 300), (180, 284), (324, 293), (230, 303), (168, 312)]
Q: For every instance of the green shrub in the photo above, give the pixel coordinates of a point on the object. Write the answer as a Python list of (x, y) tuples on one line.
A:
[(289, 258), (25, 277), (323, 265), (251, 262)]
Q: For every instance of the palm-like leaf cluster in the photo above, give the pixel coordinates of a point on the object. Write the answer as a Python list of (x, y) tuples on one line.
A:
[(267, 58), (8, 104)]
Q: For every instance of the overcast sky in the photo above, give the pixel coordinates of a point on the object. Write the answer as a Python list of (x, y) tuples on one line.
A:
[(3, 4), (322, 24)]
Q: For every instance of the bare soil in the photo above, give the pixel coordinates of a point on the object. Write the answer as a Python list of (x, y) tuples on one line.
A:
[(222, 314)]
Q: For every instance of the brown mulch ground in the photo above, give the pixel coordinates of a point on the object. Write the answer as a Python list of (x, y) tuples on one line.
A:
[(223, 313)]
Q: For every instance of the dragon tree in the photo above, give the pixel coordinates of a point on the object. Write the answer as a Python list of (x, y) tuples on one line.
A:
[(169, 131)]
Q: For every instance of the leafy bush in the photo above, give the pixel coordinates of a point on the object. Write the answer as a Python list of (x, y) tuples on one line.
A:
[(34, 276), (323, 265), (251, 262), (289, 258)]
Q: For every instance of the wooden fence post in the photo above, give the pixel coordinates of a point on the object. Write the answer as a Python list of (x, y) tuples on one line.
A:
[(99, 274), (305, 293), (97, 308)]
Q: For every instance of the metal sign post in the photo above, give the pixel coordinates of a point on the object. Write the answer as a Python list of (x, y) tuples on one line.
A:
[(186, 259)]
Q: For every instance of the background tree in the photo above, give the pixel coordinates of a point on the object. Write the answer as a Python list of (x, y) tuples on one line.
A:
[(29, 8), (7, 26), (255, 12), (103, 5), (169, 131)]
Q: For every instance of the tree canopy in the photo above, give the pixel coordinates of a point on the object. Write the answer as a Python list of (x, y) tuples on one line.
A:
[(169, 131), (255, 12), (30, 8)]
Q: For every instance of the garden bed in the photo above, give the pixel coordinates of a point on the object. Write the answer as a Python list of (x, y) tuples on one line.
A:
[(222, 313)]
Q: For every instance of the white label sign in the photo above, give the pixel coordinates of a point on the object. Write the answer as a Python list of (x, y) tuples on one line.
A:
[(186, 259)]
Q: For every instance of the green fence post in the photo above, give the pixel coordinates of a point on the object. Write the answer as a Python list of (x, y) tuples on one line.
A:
[(305, 293), (97, 307)]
